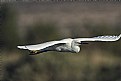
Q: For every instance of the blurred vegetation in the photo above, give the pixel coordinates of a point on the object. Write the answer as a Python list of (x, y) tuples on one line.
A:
[(41, 32), (91, 64), (8, 30)]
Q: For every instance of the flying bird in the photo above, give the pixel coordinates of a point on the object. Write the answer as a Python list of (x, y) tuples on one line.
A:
[(65, 45)]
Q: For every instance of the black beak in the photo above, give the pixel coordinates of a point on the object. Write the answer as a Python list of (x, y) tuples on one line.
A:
[(84, 43)]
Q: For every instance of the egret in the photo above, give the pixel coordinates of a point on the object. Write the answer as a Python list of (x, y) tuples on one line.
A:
[(65, 45)]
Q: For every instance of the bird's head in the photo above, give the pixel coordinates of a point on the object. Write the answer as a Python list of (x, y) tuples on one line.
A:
[(78, 43)]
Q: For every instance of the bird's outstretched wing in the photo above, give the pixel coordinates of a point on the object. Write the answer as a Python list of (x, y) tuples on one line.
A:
[(100, 38), (41, 46)]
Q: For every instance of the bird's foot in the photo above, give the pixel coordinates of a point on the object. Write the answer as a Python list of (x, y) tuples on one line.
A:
[(34, 52)]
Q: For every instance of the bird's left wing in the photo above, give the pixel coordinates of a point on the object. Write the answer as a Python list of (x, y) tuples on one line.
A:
[(100, 38), (41, 46)]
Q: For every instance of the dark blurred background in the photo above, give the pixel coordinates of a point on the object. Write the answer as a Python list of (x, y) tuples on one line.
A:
[(36, 22)]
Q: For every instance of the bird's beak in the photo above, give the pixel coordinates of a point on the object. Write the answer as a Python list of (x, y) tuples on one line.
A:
[(84, 43)]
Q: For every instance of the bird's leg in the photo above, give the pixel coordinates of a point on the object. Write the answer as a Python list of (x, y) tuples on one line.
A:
[(34, 52)]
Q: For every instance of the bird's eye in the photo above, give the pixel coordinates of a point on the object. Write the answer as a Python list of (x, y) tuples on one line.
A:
[(77, 42)]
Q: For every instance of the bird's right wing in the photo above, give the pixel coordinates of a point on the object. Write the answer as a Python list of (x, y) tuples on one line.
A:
[(41, 46), (100, 38)]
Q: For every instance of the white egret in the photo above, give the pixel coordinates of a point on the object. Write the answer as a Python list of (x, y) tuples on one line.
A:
[(65, 45)]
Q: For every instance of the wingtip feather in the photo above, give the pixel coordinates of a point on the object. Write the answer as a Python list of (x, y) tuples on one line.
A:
[(22, 47), (120, 35)]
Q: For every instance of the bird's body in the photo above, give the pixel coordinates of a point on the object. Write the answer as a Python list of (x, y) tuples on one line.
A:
[(65, 45)]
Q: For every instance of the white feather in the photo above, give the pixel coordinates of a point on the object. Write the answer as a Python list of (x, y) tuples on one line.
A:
[(100, 38), (70, 45), (41, 46)]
